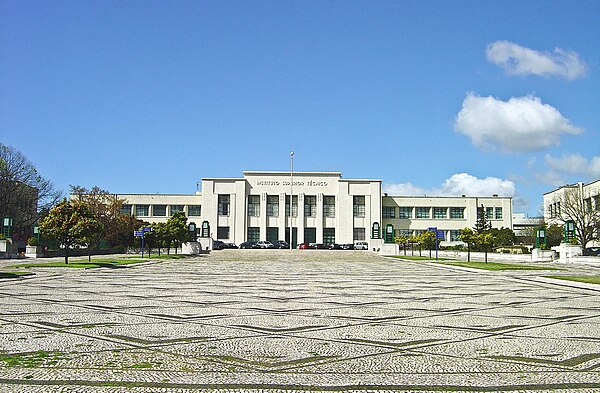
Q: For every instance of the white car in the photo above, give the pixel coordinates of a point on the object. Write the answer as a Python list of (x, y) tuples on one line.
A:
[(265, 244), (361, 246)]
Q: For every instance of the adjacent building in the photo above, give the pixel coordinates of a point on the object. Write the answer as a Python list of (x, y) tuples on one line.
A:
[(323, 208), (589, 193)]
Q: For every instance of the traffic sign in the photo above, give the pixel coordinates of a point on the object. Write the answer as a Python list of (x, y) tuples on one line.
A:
[(138, 233), (146, 229), (439, 234), (432, 229)]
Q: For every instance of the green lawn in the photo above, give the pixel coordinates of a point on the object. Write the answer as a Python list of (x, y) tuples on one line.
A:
[(586, 279), (156, 256), (84, 264), (15, 274), (497, 266), (418, 258)]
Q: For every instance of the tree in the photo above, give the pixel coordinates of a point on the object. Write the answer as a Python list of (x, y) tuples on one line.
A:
[(468, 236), (23, 191), (575, 207), (482, 224), (429, 240), (177, 230), (485, 241), (402, 240), (504, 236), (70, 222)]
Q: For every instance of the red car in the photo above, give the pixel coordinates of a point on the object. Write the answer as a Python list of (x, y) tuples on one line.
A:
[(305, 246)]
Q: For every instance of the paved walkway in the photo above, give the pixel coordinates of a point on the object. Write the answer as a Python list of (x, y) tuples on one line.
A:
[(253, 320)]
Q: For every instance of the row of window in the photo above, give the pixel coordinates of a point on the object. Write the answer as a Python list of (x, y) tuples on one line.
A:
[(310, 234), (435, 212), (160, 210), (453, 234), (310, 206)]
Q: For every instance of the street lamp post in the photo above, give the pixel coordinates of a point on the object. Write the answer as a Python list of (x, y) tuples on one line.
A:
[(291, 198)]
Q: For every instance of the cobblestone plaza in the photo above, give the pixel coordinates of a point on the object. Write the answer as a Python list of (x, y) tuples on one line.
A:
[(252, 320)]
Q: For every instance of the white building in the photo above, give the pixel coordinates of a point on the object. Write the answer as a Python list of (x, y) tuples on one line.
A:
[(325, 209), (589, 192)]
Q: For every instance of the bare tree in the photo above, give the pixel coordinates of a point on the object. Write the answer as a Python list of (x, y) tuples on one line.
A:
[(24, 193), (575, 207)]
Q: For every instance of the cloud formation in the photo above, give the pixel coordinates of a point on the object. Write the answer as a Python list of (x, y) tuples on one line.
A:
[(458, 184), (574, 164), (518, 60), (519, 124)]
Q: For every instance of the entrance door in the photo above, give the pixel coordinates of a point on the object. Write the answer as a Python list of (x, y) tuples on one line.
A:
[(294, 242)]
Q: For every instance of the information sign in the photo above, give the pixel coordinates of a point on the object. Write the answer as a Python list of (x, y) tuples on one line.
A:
[(138, 233)]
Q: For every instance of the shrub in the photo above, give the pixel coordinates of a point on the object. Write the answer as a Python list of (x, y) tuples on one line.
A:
[(32, 241)]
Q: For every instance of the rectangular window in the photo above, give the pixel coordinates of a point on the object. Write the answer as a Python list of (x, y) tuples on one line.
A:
[(272, 234), (405, 232), (142, 210), (126, 210), (310, 206), (440, 212), (273, 206), (457, 212), (405, 212), (498, 213), (359, 206), (489, 213), (329, 206), (222, 233), (588, 203), (310, 235), (328, 235), (388, 212), (454, 235), (253, 234), (253, 205), (194, 210), (176, 209), (422, 212), (294, 206), (159, 210), (359, 234), (223, 204)]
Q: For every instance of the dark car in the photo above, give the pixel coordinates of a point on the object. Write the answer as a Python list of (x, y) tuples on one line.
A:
[(230, 245), (249, 245), (321, 246), (282, 244), (592, 251), (335, 246), (218, 245), (305, 246), (348, 246)]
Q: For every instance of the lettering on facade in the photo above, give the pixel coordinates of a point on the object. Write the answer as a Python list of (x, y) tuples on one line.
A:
[(310, 183)]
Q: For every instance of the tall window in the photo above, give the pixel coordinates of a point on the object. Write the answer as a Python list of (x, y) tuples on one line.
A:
[(253, 234), (159, 210), (422, 212), (142, 210), (328, 235), (405, 212), (329, 206), (126, 210), (273, 206), (222, 232), (254, 205), (176, 209), (223, 204), (294, 206), (359, 206), (498, 213), (194, 210), (358, 234), (440, 212), (489, 213), (310, 206), (457, 212), (310, 235), (272, 233), (388, 212)]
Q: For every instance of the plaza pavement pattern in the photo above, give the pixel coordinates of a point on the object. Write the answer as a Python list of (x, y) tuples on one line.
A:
[(262, 320)]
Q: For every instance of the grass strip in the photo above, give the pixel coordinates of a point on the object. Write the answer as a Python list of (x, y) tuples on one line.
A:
[(496, 266), (83, 264), (420, 258), (584, 279), (15, 274)]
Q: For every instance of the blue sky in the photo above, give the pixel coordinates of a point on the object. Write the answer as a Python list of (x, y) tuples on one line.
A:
[(432, 97)]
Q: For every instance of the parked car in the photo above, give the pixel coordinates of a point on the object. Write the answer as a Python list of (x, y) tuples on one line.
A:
[(361, 246), (305, 246), (218, 245), (321, 246), (348, 246), (335, 246), (282, 244), (248, 245), (592, 251), (230, 245), (265, 244)]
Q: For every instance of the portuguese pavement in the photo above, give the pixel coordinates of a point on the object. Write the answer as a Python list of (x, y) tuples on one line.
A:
[(302, 321)]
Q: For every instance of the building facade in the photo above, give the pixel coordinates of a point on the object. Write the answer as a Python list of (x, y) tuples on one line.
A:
[(325, 208), (589, 193)]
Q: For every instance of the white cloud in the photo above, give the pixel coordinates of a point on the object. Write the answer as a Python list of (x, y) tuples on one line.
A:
[(574, 164), (519, 124), (458, 184), (551, 178), (518, 60)]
